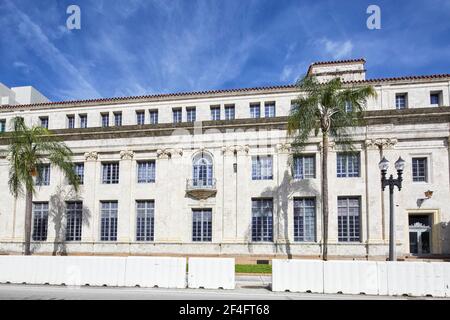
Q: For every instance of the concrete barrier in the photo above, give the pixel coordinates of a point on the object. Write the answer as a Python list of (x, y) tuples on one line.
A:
[(163, 272), (355, 277), (350, 277), (211, 273), (418, 278), (297, 275)]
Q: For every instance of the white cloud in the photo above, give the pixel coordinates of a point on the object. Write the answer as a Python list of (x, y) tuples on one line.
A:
[(337, 49)]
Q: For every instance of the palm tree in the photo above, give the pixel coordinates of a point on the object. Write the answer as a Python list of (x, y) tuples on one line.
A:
[(331, 109), (28, 149)]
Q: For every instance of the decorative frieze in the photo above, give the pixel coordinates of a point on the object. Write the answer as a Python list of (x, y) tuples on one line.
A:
[(91, 156)]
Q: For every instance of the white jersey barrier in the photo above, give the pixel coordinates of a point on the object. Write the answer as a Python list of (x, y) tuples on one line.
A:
[(357, 277), (94, 271), (211, 273), (162, 272), (297, 275)]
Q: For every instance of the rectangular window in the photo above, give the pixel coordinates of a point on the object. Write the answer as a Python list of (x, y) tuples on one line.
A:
[(347, 165), (105, 120), (145, 212), (43, 175), (294, 106), (108, 229), (202, 225), (401, 101), (79, 171), (304, 167), (40, 221), (177, 115), (153, 116), (229, 112), (117, 119), (215, 113), (255, 110), (305, 219), (140, 117), (146, 171), (83, 120), (110, 173), (44, 122), (348, 106), (419, 169), (74, 213), (190, 114), (2, 125), (348, 219), (435, 98), (262, 219), (269, 109), (262, 168), (70, 121)]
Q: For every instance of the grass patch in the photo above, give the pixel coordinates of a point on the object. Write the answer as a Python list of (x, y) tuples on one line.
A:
[(253, 268)]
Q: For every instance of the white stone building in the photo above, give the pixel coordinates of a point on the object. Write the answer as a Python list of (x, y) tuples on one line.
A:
[(210, 173)]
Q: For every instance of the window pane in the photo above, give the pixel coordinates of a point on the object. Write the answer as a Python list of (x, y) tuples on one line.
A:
[(262, 224), (255, 110), (419, 168), (108, 230), (74, 213), (140, 117), (40, 221), (348, 219), (304, 167), (347, 165), (229, 112), (215, 113), (202, 225), (146, 172), (43, 177), (305, 219), (262, 168), (145, 211), (110, 173), (270, 109), (153, 116)]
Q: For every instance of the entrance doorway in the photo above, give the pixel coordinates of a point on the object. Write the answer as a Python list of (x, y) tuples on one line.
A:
[(419, 234)]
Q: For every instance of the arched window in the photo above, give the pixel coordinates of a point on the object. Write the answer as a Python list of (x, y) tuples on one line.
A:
[(202, 173)]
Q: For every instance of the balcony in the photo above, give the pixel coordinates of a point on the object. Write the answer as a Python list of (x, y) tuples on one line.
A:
[(201, 189)]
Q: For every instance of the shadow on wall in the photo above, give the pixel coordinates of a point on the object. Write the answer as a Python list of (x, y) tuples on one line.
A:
[(57, 214), (281, 195)]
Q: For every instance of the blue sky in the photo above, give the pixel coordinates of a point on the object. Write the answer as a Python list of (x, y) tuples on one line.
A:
[(135, 47)]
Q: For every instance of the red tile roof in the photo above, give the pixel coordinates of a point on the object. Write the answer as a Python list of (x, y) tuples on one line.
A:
[(320, 63), (214, 92)]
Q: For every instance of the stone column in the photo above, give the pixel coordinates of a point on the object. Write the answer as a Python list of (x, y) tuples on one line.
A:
[(243, 203), (126, 208), (90, 228), (282, 216), (229, 185)]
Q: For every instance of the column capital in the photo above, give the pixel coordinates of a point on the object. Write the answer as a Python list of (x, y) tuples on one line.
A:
[(283, 147), (126, 155), (168, 153), (239, 150), (331, 145), (383, 143), (91, 156)]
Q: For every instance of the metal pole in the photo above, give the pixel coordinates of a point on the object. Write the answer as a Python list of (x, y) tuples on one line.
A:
[(392, 255)]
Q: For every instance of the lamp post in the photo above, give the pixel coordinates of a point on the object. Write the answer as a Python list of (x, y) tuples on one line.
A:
[(391, 182)]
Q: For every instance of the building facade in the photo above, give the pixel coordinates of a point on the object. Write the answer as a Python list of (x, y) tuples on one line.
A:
[(212, 173)]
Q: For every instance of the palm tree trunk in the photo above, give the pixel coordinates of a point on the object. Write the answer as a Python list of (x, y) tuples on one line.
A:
[(325, 194), (28, 218)]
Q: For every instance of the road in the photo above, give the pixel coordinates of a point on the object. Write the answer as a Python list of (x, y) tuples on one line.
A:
[(46, 292)]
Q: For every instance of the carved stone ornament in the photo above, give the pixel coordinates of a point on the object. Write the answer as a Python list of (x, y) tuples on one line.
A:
[(126, 155), (91, 156), (384, 143)]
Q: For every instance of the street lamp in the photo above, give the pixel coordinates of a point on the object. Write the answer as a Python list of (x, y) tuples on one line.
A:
[(391, 182)]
